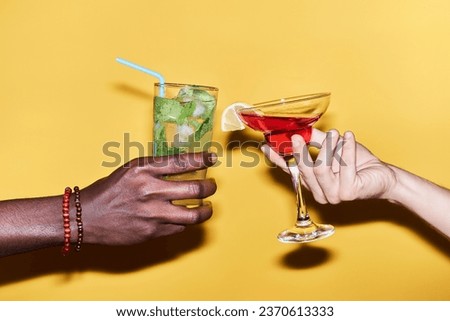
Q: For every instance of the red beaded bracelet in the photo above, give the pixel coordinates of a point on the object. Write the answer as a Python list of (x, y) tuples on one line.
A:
[(66, 218), (79, 222)]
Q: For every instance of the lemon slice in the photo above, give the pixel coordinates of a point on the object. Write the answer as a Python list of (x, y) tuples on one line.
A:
[(230, 120)]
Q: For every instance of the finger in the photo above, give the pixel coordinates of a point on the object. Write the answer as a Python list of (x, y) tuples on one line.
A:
[(337, 155), (167, 229), (180, 163), (317, 138), (274, 157), (305, 165), (178, 190), (322, 169), (347, 172), (187, 216), (325, 157), (301, 154)]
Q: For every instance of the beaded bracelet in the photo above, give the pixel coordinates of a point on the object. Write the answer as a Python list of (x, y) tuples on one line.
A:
[(66, 219), (79, 222)]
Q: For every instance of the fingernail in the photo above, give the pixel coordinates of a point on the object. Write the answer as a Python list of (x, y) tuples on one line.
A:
[(348, 135)]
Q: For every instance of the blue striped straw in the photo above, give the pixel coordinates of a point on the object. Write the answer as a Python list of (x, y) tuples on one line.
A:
[(147, 71)]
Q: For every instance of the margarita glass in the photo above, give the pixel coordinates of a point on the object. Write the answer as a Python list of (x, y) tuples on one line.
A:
[(279, 120)]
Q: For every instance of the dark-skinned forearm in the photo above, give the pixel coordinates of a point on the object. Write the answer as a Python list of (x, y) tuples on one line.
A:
[(31, 224)]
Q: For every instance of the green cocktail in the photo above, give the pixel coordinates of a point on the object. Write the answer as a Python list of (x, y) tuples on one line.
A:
[(182, 123)]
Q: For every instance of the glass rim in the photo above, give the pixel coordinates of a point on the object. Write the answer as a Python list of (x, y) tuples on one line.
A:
[(181, 85), (291, 100)]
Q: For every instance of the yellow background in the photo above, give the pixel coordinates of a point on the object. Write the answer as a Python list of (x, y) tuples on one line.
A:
[(63, 96)]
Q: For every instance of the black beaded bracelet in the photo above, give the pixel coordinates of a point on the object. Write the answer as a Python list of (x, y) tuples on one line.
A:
[(78, 218)]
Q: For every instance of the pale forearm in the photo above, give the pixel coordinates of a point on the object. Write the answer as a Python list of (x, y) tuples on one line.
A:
[(30, 224), (428, 200)]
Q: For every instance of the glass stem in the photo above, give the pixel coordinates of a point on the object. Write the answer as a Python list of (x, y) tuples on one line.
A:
[(302, 213)]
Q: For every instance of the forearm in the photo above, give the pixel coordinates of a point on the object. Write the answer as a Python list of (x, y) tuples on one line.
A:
[(30, 224), (428, 200)]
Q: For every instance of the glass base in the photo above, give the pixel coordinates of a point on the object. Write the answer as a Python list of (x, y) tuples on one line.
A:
[(306, 231)]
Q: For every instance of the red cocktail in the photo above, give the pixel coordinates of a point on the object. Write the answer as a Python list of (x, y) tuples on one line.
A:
[(279, 120), (278, 130)]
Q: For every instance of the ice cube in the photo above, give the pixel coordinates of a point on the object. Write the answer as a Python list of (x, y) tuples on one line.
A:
[(199, 109), (183, 132)]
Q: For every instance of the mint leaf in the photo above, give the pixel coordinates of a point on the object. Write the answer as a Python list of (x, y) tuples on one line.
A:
[(205, 127), (187, 111), (159, 139), (167, 110)]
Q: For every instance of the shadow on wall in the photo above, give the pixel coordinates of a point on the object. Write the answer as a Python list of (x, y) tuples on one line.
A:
[(360, 212), (114, 259)]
